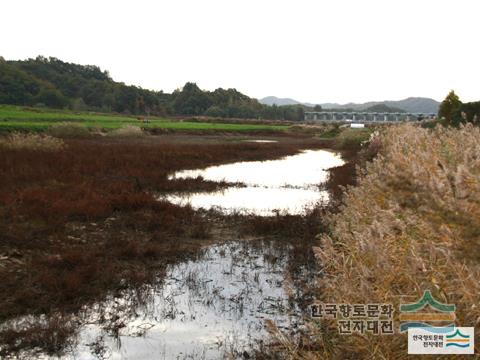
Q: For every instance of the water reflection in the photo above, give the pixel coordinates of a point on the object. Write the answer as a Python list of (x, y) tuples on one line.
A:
[(261, 141), (289, 184), (208, 307), (217, 303)]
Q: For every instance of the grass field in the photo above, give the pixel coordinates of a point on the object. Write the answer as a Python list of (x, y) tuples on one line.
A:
[(17, 118)]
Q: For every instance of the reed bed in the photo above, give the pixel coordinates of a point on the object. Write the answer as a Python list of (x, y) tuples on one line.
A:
[(412, 223)]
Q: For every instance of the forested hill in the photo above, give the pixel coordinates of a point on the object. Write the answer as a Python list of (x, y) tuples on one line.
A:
[(54, 83), (58, 84)]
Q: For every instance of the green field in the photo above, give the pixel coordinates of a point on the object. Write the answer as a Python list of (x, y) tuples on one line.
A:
[(17, 118)]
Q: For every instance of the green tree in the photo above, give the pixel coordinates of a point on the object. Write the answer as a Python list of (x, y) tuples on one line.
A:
[(191, 100), (449, 107), (216, 111), (471, 112), (52, 98), (79, 105), (55, 83)]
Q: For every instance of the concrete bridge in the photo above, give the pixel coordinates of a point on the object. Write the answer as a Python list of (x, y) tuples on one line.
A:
[(365, 116)]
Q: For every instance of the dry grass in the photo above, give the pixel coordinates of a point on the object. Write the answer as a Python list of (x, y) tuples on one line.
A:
[(35, 142), (411, 224), (127, 131), (69, 130)]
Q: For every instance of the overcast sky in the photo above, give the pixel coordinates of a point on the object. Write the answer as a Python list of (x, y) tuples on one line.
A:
[(311, 50)]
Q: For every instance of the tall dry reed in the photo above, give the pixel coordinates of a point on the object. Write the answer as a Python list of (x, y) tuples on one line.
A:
[(19, 141), (411, 223)]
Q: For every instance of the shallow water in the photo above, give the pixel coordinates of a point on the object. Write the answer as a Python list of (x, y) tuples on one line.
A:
[(261, 141), (288, 185), (205, 308), (217, 303)]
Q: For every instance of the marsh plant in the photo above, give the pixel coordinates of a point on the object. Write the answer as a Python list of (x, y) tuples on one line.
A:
[(19, 141), (128, 131), (411, 224), (68, 130)]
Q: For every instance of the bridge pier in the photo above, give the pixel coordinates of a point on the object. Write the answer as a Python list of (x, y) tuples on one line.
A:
[(364, 116)]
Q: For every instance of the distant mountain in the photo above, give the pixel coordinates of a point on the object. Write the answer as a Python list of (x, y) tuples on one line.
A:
[(411, 104), (382, 108), (416, 105), (273, 100)]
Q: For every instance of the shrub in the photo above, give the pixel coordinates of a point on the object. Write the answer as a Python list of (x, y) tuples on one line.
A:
[(352, 137), (68, 130), (32, 142), (330, 130), (128, 131)]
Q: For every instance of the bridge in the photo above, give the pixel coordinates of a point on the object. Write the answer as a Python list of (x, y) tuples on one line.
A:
[(365, 116)]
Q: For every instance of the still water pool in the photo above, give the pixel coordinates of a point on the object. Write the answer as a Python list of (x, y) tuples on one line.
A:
[(288, 185), (216, 304)]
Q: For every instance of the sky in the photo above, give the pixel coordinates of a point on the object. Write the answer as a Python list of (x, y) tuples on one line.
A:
[(314, 51)]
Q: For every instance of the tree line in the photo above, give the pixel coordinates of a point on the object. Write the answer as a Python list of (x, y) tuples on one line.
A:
[(54, 83), (454, 112)]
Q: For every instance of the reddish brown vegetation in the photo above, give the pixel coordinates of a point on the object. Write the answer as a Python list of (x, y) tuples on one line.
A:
[(299, 227), (78, 223), (81, 220)]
